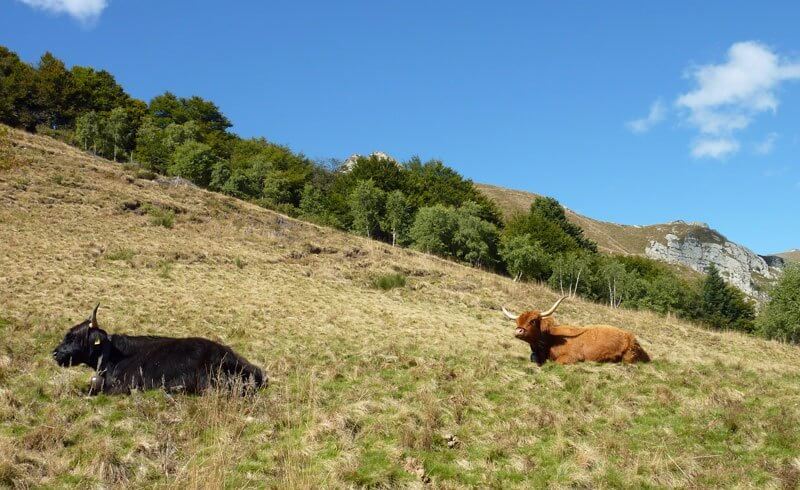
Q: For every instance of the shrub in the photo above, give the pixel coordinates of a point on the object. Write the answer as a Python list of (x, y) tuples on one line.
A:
[(389, 281)]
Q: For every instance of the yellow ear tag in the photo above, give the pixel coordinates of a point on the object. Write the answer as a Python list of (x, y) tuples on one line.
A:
[(97, 342)]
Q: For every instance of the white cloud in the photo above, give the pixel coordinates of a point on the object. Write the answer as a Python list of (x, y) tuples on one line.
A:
[(83, 10), (766, 146), (655, 116), (714, 148), (729, 95)]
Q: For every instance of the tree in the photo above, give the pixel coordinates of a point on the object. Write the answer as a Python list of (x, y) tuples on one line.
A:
[(277, 189), (194, 161), (618, 281), (17, 91), (219, 176), (366, 208), (780, 318), (151, 147), (87, 130), (551, 210), (52, 91), (177, 134), (432, 182), (119, 127), (569, 269), (433, 230), (475, 240), (397, 216), (723, 306), (525, 258), (549, 235)]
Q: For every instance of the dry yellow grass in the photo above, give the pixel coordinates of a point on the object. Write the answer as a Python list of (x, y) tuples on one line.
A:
[(367, 387)]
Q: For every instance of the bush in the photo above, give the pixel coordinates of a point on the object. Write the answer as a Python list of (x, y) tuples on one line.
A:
[(389, 281), (780, 318)]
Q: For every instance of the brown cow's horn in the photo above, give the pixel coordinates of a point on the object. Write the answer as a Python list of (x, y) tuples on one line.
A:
[(93, 318), (509, 315), (553, 309)]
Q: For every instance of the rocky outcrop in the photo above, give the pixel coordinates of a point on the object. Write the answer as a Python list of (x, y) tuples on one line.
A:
[(738, 265), (348, 164)]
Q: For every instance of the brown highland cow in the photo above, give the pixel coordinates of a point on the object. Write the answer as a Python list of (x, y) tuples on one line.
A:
[(565, 344)]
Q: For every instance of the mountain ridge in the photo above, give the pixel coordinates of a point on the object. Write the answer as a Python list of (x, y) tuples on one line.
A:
[(693, 245)]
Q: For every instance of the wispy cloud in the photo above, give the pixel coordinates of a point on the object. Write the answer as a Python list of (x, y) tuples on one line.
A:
[(86, 11), (717, 148), (729, 95), (657, 113), (776, 172), (765, 147)]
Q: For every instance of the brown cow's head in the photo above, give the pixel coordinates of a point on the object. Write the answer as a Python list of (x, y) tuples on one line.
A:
[(529, 324)]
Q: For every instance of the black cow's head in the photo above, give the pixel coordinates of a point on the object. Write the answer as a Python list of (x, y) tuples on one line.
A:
[(83, 344)]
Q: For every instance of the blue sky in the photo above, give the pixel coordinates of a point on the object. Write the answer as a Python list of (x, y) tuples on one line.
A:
[(629, 112)]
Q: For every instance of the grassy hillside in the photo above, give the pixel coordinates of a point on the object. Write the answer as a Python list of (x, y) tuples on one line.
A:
[(791, 256), (414, 385)]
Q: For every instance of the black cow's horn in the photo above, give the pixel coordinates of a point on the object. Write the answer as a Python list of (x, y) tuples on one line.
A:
[(93, 318)]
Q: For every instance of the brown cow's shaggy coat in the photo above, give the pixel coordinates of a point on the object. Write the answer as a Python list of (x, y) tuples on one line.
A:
[(567, 345)]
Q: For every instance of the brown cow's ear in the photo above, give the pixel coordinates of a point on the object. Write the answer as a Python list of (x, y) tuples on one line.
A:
[(93, 317)]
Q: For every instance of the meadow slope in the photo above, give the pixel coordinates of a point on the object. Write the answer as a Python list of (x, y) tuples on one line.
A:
[(419, 385)]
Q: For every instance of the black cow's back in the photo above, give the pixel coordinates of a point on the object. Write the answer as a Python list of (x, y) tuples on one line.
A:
[(189, 364)]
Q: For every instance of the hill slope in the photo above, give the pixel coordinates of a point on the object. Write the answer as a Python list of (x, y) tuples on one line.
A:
[(791, 256), (691, 245), (367, 386)]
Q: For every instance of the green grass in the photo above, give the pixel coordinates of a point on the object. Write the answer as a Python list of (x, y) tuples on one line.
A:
[(121, 254), (159, 216), (389, 281)]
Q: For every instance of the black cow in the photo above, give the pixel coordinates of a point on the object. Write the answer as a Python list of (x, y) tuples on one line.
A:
[(123, 362)]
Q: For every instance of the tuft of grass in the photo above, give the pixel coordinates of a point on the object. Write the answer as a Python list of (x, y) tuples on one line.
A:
[(165, 268), (124, 254), (239, 263), (160, 217), (21, 184), (389, 281)]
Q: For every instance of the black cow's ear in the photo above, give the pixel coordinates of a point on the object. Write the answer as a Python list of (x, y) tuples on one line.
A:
[(93, 317)]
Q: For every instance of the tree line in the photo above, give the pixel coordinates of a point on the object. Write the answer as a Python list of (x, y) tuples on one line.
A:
[(424, 205)]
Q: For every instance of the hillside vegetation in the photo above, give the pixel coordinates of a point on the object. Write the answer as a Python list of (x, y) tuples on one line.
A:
[(417, 383)]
